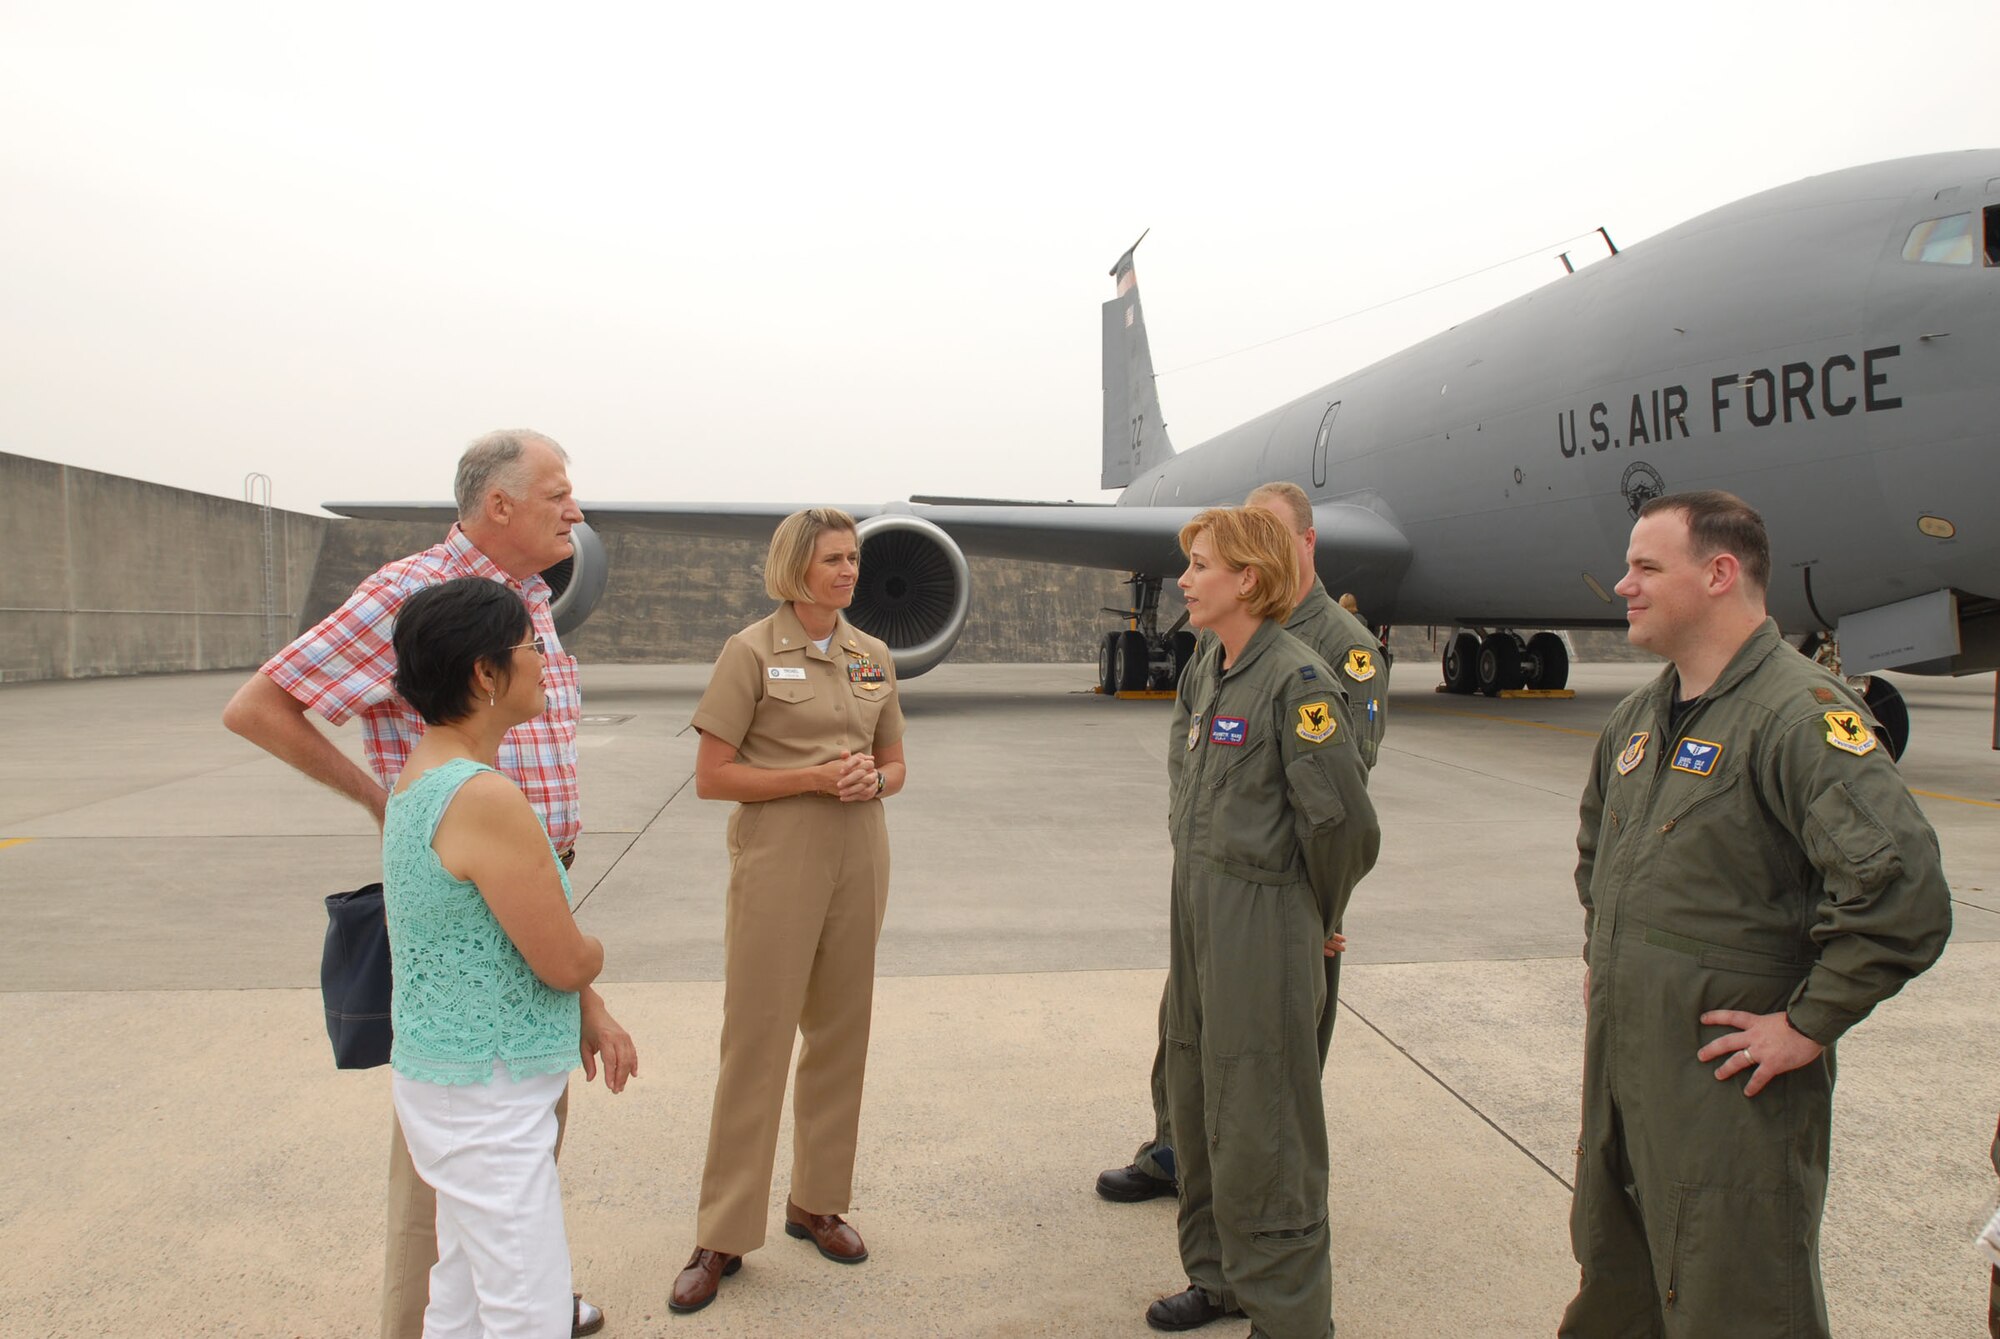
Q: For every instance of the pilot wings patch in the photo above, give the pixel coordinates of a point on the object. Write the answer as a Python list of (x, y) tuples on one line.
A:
[(1316, 723), (1696, 755)]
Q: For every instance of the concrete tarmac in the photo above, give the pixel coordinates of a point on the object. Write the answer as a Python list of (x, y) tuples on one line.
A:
[(179, 1157)]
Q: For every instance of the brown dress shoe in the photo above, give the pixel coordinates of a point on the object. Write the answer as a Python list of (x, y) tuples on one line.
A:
[(695, 1288), (830, 1232)]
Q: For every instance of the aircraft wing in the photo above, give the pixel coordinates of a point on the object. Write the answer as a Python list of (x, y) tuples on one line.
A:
[(1353, 539), (1128, 539)]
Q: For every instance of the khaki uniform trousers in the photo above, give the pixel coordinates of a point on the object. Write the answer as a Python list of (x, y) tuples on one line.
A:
[(808, 885), (413, 1244)]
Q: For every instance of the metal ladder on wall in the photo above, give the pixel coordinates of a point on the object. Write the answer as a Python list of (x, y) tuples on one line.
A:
[(257, 492)]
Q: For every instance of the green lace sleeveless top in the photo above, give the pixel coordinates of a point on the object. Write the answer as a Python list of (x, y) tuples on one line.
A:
[(464, 997)]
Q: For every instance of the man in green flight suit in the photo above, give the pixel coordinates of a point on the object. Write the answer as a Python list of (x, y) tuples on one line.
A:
[(1755, 879), (1344, 642), (1272, 828)]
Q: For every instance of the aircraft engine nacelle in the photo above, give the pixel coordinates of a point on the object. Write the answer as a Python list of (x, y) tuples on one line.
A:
[(914, 591), (578, 580)]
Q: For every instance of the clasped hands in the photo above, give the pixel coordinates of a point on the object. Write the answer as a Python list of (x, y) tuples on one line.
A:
[(850, 778)]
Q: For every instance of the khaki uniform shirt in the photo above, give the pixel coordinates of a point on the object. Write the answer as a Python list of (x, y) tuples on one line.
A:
[(1344, 642), (784, 703), (1770, 833)]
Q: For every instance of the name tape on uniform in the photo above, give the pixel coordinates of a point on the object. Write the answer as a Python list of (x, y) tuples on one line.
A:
[(1697, 756), (1230, 730), (787, 671)]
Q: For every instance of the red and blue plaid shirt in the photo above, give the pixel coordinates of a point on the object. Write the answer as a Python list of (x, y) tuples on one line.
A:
[(346, 667)]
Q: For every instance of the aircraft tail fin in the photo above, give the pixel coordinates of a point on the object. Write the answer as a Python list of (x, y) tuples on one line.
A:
[(1135, 435)]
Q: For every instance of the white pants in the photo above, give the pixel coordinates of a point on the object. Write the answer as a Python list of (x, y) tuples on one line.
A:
[(488, 1150)]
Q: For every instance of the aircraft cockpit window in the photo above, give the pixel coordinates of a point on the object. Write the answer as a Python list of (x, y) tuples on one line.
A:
[(1945, 241)]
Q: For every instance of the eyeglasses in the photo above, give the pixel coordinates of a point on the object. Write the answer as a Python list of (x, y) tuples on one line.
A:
[(534, 641)]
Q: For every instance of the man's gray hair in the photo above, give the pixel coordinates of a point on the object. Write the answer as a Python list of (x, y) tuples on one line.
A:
[(495, 459)]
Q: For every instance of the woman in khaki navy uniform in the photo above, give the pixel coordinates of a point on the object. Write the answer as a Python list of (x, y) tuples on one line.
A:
[(800, 725), (1272, 828), (1755, 879)]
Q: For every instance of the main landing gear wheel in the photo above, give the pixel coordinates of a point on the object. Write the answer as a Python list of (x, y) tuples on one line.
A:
[(1129, 662), (1550, 661), (1500, 657), (1107, 658), (1461, 662), (1891, 713)]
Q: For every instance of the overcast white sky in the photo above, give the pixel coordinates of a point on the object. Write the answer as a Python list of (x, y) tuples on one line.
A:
[(839, 252)]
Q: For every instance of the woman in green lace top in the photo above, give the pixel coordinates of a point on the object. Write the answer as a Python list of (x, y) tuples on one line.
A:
[(487, 961)]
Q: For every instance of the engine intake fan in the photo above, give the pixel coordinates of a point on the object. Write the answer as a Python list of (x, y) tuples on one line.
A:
[(914, 591)]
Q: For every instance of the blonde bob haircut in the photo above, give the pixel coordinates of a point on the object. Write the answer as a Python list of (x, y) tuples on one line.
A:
[(1251, 539), (791, 552)]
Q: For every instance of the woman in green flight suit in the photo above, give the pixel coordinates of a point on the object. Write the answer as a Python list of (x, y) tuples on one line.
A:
[(1272, 828)]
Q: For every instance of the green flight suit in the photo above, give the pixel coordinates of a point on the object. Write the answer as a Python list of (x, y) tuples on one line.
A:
[(1763, 856), (1272, 828), (1344, 642)]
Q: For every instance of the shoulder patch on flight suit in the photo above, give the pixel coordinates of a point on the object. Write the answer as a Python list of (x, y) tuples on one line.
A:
[(1316, 723), (1194, 731), (1696, 755), (1844, 730), (1360, 666), (1635, 752)]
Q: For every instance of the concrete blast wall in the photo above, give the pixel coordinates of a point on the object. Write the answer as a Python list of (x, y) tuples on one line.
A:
[(105, 575)]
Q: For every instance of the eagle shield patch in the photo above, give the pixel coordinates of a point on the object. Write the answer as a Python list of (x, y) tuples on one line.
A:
[(1316, 723), (1360, 666), (1635, 752), (1845, 730)]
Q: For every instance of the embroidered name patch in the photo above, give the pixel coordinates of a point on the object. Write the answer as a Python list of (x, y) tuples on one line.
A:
[(787, 671), (1230, 730), (1697, 756), (1845, 730), (1360, 665), (1316, 723), (1635, 752)]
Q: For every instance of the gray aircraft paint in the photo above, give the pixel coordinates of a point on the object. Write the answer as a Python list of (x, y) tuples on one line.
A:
[(1779, 347)]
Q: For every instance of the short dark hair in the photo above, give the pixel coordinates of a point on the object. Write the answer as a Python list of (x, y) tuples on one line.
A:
[(1720, 522), (444, 632)]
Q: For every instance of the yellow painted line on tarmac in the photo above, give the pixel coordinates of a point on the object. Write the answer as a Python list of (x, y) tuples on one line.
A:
[(1956, 799), (6, 842), (1505, 720)]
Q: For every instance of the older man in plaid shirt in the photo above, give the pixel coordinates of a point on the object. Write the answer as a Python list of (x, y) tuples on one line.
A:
[(515, 511)]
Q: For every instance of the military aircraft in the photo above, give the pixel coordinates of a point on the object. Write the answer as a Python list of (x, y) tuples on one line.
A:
[(1827, 350)]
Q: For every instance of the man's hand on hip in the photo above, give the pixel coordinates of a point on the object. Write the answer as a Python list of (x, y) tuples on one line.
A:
[(1767, 1043)]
